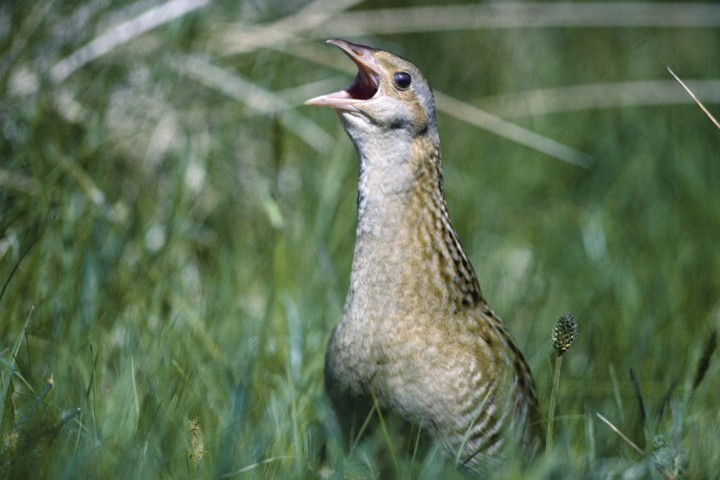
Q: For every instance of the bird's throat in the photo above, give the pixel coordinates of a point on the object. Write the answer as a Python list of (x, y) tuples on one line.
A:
[(405, 243)]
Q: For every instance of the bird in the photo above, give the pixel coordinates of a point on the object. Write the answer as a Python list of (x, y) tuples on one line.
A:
[(416, 337)]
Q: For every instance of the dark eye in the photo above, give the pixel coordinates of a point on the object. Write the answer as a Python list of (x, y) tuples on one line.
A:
[(402, 80)]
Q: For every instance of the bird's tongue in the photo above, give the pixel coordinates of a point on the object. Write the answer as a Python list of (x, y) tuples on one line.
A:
[(366, 82)]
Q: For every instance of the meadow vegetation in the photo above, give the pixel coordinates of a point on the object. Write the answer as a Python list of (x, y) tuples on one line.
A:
[(176, 228)]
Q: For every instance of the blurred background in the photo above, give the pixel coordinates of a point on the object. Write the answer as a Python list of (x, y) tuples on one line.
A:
[(176, 227)]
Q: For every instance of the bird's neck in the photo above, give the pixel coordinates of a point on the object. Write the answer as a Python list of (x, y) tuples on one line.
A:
[(406, 247)]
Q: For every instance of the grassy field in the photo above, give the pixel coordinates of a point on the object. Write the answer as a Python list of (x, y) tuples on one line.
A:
[(176, 228)]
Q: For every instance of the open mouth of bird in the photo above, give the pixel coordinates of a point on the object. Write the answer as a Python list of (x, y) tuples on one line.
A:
[(365, 85)]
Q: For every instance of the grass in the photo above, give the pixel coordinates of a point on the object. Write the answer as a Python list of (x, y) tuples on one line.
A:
[(176, 230)]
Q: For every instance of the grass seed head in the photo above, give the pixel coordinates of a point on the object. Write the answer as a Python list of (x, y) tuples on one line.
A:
[(564, 333)]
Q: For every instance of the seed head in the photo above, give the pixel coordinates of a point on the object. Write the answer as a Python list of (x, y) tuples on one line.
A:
[(564, 333)]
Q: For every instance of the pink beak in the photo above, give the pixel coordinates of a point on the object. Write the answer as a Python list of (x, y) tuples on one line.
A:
[(366, 82)]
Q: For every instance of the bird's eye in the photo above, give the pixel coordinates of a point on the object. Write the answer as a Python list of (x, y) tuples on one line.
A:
[(402, 80)]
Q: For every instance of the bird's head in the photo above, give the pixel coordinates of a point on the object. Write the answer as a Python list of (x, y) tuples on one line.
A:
[(389, 98)]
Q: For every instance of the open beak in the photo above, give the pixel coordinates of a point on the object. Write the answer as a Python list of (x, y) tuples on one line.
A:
[(366, 82)]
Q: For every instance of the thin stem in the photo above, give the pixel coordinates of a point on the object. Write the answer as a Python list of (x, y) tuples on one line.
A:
[(697, 102), (622, 435), (553, 398)]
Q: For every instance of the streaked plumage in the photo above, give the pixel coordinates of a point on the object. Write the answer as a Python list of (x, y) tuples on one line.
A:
[(416, 333)]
